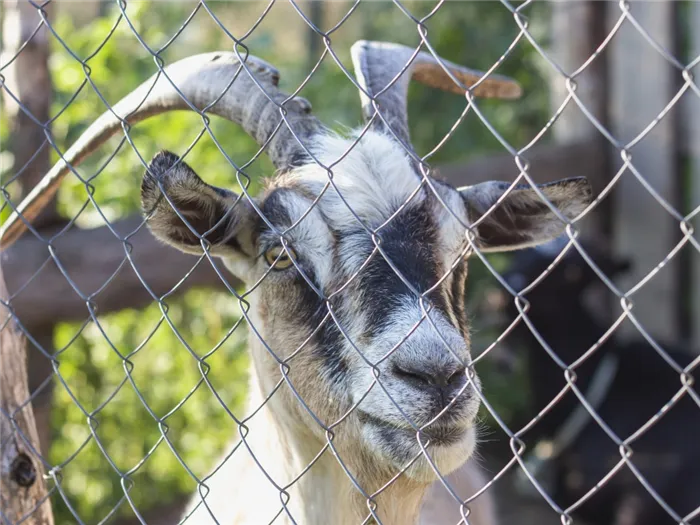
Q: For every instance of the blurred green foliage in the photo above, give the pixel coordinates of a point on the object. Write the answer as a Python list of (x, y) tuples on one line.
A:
[(120, 388), (131, 368)]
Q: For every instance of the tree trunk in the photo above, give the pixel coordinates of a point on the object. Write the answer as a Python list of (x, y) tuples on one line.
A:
[(23, 495), (29, 80)]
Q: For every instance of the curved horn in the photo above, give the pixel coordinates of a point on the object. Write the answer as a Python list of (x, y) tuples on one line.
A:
[(202, 80), (377, 65)]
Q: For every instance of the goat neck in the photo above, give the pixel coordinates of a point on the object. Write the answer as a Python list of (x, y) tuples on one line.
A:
[(285, 445)]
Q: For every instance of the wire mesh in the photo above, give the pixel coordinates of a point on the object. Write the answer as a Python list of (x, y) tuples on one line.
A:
[(278, 385)]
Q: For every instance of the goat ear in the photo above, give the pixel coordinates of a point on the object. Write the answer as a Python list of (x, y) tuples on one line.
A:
[(522, 218), (193, 210)]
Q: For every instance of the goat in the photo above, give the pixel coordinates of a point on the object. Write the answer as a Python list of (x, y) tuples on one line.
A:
[(361, 383), (638, 385)]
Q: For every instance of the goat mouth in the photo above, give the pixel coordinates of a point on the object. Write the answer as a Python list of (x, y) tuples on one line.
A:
[(436, 434)]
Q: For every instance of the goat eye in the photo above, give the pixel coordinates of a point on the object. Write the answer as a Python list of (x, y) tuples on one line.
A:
[(278, 258)]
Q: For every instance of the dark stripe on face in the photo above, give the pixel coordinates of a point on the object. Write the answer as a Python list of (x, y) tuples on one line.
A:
[(275, 211), (304, 304), (410, 242), (311, 309), (330, 346)]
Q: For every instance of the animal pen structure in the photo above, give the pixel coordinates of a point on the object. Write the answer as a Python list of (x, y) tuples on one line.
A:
[(622, 109)]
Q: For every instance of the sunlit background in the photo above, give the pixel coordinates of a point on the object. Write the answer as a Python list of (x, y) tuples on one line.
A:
[(127, 368)]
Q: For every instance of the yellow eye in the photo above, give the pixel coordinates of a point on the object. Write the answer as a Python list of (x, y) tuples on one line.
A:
[(278, 258)]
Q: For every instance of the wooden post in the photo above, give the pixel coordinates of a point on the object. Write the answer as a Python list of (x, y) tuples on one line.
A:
[(315, 42), (29, 79), (575, 37), (691, 134), (577, 30), (23, 493), (642, 83)]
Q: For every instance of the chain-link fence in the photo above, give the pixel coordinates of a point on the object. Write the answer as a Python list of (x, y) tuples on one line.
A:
[(292, 337)]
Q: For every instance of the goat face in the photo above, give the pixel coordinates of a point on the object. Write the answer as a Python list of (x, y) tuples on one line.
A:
[(358, 288)]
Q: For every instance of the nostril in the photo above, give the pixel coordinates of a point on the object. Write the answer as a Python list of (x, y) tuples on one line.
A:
[(425, 376), (416, 377), (458, 379)]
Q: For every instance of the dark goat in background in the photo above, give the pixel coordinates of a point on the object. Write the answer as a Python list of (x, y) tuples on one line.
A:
[(640, 383)]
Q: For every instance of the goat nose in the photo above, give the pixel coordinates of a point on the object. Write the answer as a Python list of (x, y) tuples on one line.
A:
[(445, 378)]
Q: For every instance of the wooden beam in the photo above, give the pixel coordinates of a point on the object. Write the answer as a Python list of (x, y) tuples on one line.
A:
[(23, 494), (548, 162), (642, 83), (90, 258)]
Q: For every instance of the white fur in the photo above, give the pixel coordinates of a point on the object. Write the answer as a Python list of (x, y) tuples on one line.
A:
[(373, 177), (241, 494), (309, 233), (452, 218)]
